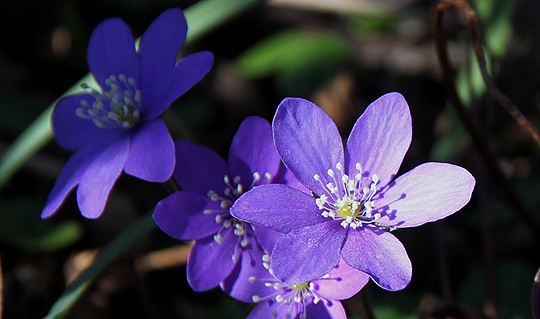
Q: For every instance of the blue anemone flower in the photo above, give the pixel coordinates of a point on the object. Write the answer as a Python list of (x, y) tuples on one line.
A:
[(117, 127)]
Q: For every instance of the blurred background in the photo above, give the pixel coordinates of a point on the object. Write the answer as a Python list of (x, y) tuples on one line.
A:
[(341, 54)]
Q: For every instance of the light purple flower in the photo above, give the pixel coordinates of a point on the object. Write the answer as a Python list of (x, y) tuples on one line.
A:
[(356, 201), (210, 186), (117, 128), (315, 299)]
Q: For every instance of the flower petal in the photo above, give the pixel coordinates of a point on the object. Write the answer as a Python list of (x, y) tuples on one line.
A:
[(238, 284), (379, 254), (180, 215), (198, 168), (380, 138), (111, 51), (327, 309), (69, 178), (307, 253), (157, 53), (100, 176), (427, 193), (252, 150), (308, 142), (278, 207), (151, 156), (187, 72), (71, 131), (343, 282), (209, 263)]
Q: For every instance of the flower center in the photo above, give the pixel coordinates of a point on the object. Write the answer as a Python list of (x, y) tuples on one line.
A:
[(117, 107), (353, 206), (294, 297), (233, 189)]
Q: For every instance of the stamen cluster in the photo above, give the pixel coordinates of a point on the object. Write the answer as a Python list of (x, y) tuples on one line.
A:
[(117, 107), (296, 297), (355, 206), (222, 216)]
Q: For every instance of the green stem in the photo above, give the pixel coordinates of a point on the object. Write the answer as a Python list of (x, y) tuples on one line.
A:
[(140, 228)]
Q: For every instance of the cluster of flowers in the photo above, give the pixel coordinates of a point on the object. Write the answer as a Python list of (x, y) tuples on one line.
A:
[(293, 221)]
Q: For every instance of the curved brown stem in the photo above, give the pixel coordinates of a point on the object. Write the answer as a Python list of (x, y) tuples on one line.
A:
[(470, 124)]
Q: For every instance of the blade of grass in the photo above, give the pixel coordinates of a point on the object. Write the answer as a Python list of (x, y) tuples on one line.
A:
[(72, 293), (201, 17)]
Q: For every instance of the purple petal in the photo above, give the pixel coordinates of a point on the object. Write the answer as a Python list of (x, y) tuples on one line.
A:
[(343, 282), (100, 176), (379, 254), (307, 253), (266, 237), (111, 51), (187, 72), (278, 207), (157, 52), (71, 131), (427, 193), (265, 309), (284, 176), (198, 168), (326, 309), (180, 215), (252, 150), (238, 284), (307, 141), (151, 156), (380, 138), (209, 263), (69, 178)]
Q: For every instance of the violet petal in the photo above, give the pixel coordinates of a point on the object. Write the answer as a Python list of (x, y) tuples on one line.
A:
[(98, 179), (307, 253), (252, 150), (158, 48), (72, 132), (343, 282), (326, 309), (209, 262), (238, 284), (111, 51), (187, 72), (307, 141), (181, 216), (380, 138), (278, 207), (379, 254), (151, 156), (198, 168), (69, 178), (427, 193)]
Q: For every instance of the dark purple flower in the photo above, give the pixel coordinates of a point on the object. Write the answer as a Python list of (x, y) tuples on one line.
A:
[(117, 128), (210, 186), (356, 201)]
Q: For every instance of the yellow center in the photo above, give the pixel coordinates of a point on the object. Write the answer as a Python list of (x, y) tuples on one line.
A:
[(300, 287), (347, 211)]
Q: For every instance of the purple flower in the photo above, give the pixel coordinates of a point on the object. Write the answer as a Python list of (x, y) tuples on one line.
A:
[(210, 186), (356, 201), (117, 128), (315, 299)]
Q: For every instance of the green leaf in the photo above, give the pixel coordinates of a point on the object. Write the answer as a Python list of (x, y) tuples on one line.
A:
[(292, 50), (202, 18), (109, 253)]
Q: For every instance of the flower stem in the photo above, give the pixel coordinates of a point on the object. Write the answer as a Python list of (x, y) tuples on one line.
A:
[(470, 124)]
